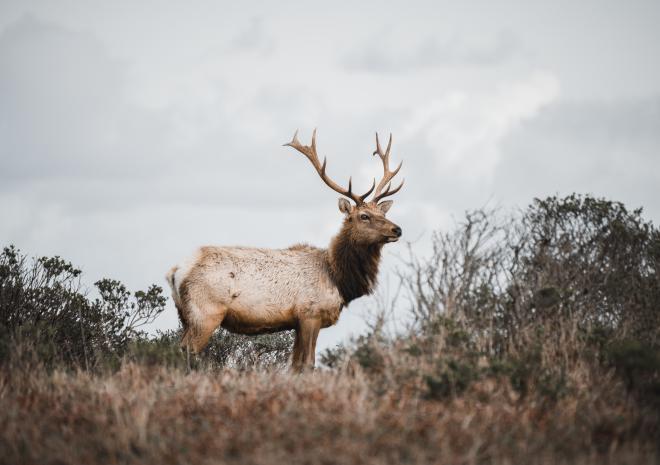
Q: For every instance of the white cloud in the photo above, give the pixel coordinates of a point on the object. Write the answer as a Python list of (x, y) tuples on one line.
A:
[(608, 149), (394, 52), (255, 38), (464, 129)]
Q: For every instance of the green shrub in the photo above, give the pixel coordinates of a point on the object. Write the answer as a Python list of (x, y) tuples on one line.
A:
[(44, 310), (451, 378), (639, 365)]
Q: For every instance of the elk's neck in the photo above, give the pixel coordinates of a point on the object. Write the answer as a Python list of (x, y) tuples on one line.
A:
[(353, 267)]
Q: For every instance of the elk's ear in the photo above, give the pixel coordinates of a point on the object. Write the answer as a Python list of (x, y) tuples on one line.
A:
[(344, 206), (385, 205)]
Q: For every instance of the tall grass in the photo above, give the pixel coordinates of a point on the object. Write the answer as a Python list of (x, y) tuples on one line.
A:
[(157, 415)]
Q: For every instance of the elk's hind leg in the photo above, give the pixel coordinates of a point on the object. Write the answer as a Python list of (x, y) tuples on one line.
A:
[(186, 327), (206, 320)]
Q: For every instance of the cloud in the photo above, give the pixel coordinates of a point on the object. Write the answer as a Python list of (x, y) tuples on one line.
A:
[(394, 53), (462, 131), (60, 94), (71, 135), (255, 37), (608, 149)]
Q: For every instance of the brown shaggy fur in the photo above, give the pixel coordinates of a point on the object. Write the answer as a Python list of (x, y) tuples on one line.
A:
[(353, 266)]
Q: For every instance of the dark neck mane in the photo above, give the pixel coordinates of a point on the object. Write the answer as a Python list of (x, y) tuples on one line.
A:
[(353, 267)]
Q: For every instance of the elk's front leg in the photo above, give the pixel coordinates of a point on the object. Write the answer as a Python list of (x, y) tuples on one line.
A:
[(296, 356), (305, 347)]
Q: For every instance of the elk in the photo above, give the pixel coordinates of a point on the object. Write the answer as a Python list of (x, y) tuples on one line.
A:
[(303, 288)]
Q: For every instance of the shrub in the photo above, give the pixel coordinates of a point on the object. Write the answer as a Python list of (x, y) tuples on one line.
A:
[(44, 311), (541, 298), (227, 349), (575, 267)]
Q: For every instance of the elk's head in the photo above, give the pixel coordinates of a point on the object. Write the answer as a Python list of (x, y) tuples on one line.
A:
[(364, 220)]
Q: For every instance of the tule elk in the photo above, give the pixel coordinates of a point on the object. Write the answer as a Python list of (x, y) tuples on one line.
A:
[(254, 291)]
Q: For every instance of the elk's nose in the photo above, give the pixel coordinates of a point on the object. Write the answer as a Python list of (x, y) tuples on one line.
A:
[(397, 231)]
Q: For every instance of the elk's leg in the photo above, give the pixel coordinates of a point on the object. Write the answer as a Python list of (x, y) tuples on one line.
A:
[(309, 357), (204, 331), (206, 320), (315, 337), (296, 357), (308, 331), (185, 343)]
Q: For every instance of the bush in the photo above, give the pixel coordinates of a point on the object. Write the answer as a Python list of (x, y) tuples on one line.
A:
[(574, 266), (227, 349), (639, 365), (546, 299), (45, 313)]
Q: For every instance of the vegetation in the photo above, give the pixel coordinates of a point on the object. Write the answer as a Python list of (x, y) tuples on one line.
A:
[(533, 338)]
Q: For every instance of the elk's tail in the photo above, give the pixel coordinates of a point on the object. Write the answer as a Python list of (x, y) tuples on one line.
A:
[(170, 276), (176, 296)]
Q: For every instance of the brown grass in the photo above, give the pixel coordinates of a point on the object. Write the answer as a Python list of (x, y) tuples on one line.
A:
[(144, 414)]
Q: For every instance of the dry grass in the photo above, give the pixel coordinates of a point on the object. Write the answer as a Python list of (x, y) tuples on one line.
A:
[(146, 414)]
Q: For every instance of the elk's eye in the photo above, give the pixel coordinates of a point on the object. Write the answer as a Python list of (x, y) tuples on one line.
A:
[(364, 217)]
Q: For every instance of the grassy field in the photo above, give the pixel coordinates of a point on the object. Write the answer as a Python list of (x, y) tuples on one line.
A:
[(143, 414)]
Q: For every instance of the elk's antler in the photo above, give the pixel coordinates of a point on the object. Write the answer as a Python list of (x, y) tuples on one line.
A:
[(387, 174), (310, 152)]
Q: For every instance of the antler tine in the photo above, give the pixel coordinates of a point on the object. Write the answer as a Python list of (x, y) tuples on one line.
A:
[(314, 141), (387, 174), (310, 152), (364, 196), (388, 192), (389, 146), (383, 156), (378, 150)]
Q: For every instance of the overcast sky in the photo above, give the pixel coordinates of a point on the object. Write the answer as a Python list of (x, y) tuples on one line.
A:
[(132, 132)]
